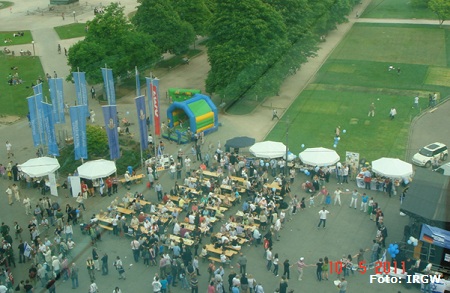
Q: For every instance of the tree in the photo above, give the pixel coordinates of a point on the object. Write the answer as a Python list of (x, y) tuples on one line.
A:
[(111, 39), (194, 12), (441, 8), (97, 141), (247, 38), (158, 19)]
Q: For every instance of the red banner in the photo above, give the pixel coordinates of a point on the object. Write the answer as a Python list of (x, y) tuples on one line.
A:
[(155, 101)]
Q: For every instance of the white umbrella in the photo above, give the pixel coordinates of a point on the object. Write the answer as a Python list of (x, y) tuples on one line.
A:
[(392, 167), (268, 149), (97, 169), (39, 167), (319, 157)]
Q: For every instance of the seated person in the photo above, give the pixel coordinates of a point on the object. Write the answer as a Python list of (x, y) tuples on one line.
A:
[(224, 259)]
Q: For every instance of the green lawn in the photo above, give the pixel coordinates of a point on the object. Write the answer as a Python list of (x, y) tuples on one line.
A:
[(13, 98), (396, 9), (315, 114), (396, 44), (26, 39), (5, 4), (70, 31), (357, 74)]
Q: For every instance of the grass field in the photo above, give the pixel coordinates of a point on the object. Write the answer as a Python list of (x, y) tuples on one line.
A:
[(13, 98), (357, 74), (70, 31), (396, 9), (26, 39)]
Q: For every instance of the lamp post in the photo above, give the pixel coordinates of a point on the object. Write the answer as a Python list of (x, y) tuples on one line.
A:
[(34, 51), (287, 147), (74, 14)]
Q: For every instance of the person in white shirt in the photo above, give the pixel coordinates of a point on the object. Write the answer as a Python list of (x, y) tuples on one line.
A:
[(176, 228), (277, 229), (93, 288), (323, 217)]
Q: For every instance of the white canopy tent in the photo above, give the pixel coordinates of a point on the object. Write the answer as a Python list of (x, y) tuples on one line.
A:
[(268, 149), (392, 167), (97, 169), (319, 157), (39, 167)]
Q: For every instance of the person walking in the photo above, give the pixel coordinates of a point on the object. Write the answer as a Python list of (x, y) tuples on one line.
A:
[(323, 217), (93, 287), (275, 264), (91, 268), (92, 116), (392, 113), (242, 261), (354, 200), (92, 92), (119, 267), (337, 196), (364, 202), (9, 151), (104, 260), (74, 276), (416, 102), (269, 258), (319, 266), (275, 114), (342, 286), (371, 110), (287, 269), (9, 193)]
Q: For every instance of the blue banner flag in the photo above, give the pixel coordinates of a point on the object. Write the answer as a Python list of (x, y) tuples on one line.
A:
[(142, 120), (81, 89), (138, 83), (57, 97), (108, 81), (37, 89), (34, 120), (110, 116), (78, 123), (49, 128)]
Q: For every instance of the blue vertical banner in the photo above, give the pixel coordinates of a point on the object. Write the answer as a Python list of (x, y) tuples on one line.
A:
[(78, 123), (138, 83), (57, 97), (34, 121), (49, 128), (81, 89), (37, 89), (110, 116), (108, 81), (142, 120)]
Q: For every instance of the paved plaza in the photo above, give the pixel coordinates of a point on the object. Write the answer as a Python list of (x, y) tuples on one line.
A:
[(347, 229)]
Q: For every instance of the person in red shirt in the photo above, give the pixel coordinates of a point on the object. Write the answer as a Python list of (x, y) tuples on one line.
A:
[(165, 198), (84, 189), (109, 184)]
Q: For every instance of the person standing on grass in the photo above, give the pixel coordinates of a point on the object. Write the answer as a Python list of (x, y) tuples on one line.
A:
[(392, 113), (323, 217), (371, 110), (416, 102)]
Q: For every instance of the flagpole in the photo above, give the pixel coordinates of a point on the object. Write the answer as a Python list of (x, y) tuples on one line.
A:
[(107, 86), (79, 83)]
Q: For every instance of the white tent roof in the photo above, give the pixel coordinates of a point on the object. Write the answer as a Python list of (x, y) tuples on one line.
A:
[(268, 149), (97, 169), (319, 157), (392, 167), (39, 167)]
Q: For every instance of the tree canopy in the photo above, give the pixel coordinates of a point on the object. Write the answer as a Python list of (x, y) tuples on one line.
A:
[(194, 12), (167, 30), (246, 39), (441, 8), (111, 39)]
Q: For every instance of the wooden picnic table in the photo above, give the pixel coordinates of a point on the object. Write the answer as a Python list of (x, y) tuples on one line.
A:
[(228, 253), (125, 211), (104, 219), (229, 188), (171, 209), (274, 184), (222, 209), (177, 239), (177, 199), (134, 178), (240, 240)]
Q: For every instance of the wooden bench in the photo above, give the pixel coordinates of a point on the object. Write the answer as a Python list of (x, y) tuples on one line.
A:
[(106, 227), (215, 259), (134, 179)]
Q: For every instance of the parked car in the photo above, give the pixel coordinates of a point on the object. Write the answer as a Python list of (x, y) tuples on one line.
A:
[(429, 153), (444, 169)]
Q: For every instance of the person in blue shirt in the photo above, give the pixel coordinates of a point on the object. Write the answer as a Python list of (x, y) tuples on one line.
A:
[(164, 285), (235, 289), (364, 201)]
